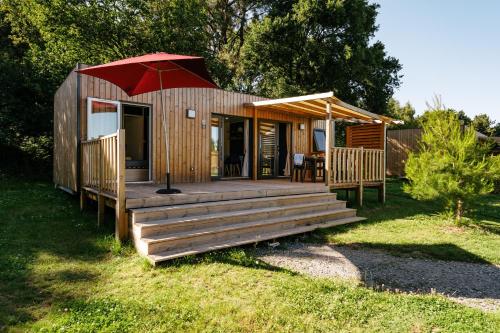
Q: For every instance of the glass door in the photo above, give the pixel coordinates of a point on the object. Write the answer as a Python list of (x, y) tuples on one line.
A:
[(268, 149), (216, 133)]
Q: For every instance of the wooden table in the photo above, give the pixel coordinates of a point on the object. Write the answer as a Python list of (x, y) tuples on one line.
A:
[(316, 162)]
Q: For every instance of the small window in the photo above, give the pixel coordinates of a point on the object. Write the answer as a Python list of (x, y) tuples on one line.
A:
[(101, 107), (319, 140)]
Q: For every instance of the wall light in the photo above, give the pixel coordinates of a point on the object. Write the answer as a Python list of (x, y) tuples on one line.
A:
[(190, 113)]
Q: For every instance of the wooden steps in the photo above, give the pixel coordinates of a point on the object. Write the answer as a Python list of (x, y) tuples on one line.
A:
[(167, 232)]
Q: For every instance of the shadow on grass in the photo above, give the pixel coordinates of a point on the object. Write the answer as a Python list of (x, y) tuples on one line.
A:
[(242, 256), (37, 220)]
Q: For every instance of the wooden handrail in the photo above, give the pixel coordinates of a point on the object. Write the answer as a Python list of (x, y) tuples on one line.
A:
[(101, 163), (103, 171), (355, 166)]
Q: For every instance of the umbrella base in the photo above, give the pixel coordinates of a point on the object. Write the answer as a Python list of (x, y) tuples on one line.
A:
[(168, 191)]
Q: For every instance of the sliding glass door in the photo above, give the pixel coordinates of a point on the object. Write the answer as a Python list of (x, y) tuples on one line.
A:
[(268, 149), (216, 162)]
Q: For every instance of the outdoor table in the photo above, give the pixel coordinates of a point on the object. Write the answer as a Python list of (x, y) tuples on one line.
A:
[(316, 162)]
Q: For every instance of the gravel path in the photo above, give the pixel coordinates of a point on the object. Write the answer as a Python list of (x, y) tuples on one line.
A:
[(476, 285)]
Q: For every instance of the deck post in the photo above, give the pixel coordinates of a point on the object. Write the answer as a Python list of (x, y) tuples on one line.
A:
[(83, 200), (121, 223), (328, 153), (101, 206), (359, 196), (382, 190), (255, 144)]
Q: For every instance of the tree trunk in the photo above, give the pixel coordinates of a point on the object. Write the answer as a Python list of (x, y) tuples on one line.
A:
[(459, 212)]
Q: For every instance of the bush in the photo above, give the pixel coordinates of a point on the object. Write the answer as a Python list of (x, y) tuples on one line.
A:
[(451, 165)]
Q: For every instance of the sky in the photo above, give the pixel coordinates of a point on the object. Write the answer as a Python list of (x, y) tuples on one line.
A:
[(446, 47)]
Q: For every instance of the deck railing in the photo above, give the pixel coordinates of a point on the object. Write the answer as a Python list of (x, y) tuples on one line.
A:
[(103, 174), (351, 167), (101, 163)]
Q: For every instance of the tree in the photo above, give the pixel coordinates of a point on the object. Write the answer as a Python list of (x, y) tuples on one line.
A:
[(496, 130), (483, 124), (405, 113), (451, 165), (309, 46)]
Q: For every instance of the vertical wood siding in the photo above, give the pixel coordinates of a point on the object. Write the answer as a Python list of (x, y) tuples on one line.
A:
[(65, 171), (189, 139)]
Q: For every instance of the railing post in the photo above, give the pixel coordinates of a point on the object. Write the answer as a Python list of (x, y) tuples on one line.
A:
[(100, 198), (384, 160), (328, 160), (361, 175), (121, 223)]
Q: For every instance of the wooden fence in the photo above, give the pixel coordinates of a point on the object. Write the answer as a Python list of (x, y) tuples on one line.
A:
[(103, 174), (399, 144)]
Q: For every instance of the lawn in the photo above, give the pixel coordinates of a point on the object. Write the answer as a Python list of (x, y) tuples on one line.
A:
[(404, 226), (60, 273)]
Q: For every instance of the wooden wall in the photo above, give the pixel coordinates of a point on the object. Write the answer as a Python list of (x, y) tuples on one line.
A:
[(189, 139), (366, 136), (65, 169), (399, 144)]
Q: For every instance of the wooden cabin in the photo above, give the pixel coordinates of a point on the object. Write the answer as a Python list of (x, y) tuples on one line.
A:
[(228, 151)]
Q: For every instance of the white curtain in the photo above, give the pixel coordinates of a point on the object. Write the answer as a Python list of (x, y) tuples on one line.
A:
[(245, 169)]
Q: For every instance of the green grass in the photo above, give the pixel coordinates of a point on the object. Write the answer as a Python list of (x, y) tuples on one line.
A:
[(60, 273), (404, 226)]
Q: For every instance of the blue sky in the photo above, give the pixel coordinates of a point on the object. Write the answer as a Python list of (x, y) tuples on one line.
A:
[(447, 47)]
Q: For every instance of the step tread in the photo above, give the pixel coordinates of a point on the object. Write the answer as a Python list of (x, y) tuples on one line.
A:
[(172, 254), (235, 213), (228, 202), (187, 198), (235, 226)]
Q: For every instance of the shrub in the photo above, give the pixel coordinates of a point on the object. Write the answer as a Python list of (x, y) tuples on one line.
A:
[(451, 165)]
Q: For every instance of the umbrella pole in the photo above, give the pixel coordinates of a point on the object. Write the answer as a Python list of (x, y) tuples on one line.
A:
[(167, 190)]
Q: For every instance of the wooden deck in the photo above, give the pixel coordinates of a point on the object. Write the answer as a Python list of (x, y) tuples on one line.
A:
[(222, 214), (144, 195)]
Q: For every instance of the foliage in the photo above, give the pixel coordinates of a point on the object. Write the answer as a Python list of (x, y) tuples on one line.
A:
[(309, 46), (405, 112), (59, 274), (483, 124), (327, 47), (451, 165)]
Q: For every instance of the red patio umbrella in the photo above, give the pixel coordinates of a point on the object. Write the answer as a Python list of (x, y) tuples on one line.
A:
[(152, 72)]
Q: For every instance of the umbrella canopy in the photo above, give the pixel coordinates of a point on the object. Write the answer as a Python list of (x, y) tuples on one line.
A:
[(152, 72)]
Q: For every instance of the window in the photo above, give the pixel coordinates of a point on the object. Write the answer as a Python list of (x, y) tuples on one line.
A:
[(99, 107), (103, 117), (319, 140)]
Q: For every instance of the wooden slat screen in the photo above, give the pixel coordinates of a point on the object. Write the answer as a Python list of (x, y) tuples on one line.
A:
[(367, 135)]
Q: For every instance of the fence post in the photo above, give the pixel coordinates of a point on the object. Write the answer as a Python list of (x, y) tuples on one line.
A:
[(121, 223)]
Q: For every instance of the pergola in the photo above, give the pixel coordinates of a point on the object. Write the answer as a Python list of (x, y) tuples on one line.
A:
[(322, 106)]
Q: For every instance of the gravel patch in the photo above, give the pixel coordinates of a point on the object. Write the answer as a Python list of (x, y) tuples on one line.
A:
[(475, 285)]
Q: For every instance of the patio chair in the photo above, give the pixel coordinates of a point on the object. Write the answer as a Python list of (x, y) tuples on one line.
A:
[(299, 167)]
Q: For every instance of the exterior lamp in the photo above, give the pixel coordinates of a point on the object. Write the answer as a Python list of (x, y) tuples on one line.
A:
[(190, 113)]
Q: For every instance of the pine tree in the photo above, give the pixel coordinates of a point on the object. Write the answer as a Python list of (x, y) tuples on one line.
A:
[(451, 166)]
